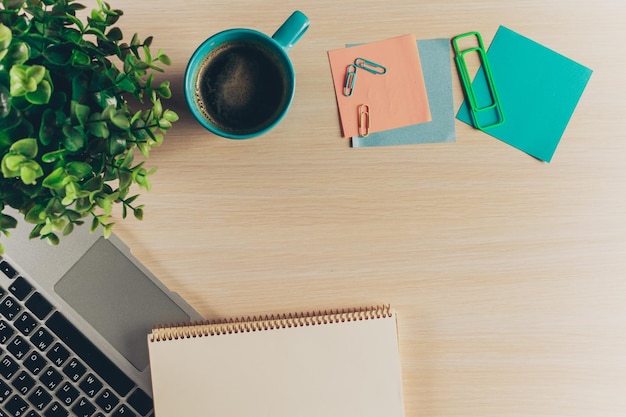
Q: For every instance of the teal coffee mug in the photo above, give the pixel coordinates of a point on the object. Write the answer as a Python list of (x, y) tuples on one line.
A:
[(240, 83)]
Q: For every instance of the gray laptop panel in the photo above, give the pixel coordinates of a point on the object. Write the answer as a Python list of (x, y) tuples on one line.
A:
[(102, 289)]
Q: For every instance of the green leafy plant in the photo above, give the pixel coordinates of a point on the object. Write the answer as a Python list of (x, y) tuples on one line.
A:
[(68, 135)]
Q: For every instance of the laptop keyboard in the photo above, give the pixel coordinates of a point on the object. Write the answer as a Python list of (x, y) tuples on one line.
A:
[(48, 368)]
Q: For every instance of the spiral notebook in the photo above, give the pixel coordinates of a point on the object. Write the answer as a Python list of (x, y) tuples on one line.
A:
[(327, 364)]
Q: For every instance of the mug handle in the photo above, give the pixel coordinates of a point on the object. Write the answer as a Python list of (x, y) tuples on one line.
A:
[(292, 30)]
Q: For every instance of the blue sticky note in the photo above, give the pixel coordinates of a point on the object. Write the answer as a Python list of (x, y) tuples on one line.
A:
[(538, 89), (437, 71)]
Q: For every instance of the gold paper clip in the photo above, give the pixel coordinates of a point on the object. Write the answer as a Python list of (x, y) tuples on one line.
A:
[(370, 66), (364, 120), (350, 80)]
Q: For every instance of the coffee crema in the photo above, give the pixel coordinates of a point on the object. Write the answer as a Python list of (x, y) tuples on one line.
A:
[(241, 87)]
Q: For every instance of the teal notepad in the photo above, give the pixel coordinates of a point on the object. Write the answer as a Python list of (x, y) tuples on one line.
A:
[(437, 70), (538, 89)]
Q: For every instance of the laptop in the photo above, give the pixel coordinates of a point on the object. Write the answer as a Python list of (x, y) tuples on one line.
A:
[(74, 320)]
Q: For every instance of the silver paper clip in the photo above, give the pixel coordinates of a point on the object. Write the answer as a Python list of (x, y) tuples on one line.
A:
[(350, 80), (364, 120), (370, 66)]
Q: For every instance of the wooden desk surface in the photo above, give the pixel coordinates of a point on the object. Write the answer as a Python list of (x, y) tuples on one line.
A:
[(509, 275)]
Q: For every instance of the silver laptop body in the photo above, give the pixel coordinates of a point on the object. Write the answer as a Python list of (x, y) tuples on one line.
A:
[(95, 286)]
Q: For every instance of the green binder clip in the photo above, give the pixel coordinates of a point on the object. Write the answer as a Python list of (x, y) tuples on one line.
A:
[(493, 104)]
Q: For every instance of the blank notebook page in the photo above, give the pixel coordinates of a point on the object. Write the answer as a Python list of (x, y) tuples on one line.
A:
[(337, 369)]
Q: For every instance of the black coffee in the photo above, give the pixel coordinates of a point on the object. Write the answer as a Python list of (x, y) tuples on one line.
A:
[(241, 87)]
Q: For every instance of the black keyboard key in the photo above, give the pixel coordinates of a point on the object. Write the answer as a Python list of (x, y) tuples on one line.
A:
[(42, 339), (39, 306), (9, 308), (67, 394), (6, 332), (123, 411), (8, 367), (5, 391), (8, 270), (34, 362), (20, 288), (107, 400), (40, 398), (58, 354), (90, 354), (16, 406), (83, 408), (56, 410), (74, 369), (25, 323), (90, 385), (18, 347), (32, 413), (51, 378), (23, 383), (140, 401)]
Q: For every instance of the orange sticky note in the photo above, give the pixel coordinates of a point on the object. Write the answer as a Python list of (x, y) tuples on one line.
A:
[(396, 99)]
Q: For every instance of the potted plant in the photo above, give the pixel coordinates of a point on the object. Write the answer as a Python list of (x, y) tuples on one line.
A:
[(68, 134)]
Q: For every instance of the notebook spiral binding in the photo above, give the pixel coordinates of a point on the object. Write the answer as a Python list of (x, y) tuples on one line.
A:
[(261, 323)]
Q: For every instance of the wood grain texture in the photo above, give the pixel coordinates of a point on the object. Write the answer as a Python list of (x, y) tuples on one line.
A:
[(508, 274)]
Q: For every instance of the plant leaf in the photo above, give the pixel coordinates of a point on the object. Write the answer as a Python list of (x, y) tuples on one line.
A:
[(5, 38), (72, 35), (9, 117), (164, 59), (49, 126), (93, 184), (157, 108), (78, 169), (25, 147), (80, 59), (98, 129), (76, 21), (69, 228), (120, 120), (108, 112), (36, 72), (94, 224), (138, 213), (7, 222), (107, 230), (30, 171), (165, 124), (53, 239), (35, 215), (126, 180), (170, 116), (54, 180), (58, 55), (79, 112), (41, 95), (13, 162), (164, 90), (97, 32), (73, 139), (116, 145), (19, 82), (17, 54), (115, 34)]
